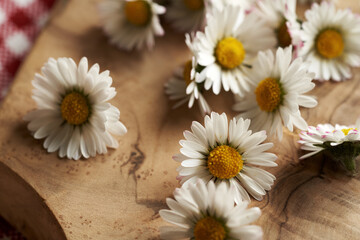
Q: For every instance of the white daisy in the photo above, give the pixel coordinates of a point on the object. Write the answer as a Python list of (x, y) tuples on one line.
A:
[(187, 15), (314, 138), (223, 152), (182, 87), (131, 23), (331, 41), (277, 91), (246, 5), (73, 113), (277, 14), (341, 142), (229, 45), (294, 31), (207, 212)]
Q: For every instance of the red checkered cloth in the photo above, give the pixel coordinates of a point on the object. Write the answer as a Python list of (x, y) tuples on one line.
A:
[(20, 22)]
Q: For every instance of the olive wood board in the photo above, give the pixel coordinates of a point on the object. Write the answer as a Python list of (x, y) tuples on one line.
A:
[(118, 195)]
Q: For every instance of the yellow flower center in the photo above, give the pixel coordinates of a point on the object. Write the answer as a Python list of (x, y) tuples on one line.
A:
[(209, 228), (230, 53), (330, 44), (268, 94), (283, 35), (347, 130), (187, 72), (194, 5), (75, 109), (137, 12), (224, 162)]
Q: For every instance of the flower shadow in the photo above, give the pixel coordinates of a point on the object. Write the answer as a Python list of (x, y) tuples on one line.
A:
[(95, 45)]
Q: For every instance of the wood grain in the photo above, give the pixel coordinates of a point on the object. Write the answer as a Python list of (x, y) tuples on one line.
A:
[(118, 195)]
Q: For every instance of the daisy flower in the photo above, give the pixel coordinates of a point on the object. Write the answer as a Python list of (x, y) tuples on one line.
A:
[(229, 45), (294, 30), (187, 15), (277, 14), (182, 87), (314, 137), (73, 113), (223, 152), (207, 211), (341, 142), (131, 23), (331, 41), (277, 91)]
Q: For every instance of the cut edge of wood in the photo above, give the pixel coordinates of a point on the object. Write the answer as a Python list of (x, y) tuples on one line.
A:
[(20, 204), (17, 196)]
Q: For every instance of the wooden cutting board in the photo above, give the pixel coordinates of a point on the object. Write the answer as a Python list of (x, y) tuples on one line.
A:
[(118, 195)]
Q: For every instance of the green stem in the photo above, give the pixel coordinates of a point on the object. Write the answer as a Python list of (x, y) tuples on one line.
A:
[(349, 164), (346, 154)]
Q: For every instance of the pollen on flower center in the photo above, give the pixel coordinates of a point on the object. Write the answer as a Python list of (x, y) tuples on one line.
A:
[(230, 53), (224, 162), (187, 72), (283, 35), (137, 12), (194, 5), (330, 44), (209, 228), (268, 94), (347, 130), (75, 109)]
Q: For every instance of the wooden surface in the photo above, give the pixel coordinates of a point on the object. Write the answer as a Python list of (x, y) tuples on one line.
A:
[(118, 195)]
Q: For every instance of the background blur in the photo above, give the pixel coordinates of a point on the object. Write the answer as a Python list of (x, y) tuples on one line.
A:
[(20, 22)]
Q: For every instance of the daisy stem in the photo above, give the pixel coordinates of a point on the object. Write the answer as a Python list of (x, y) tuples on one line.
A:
[(349, 164), (346, 154)]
